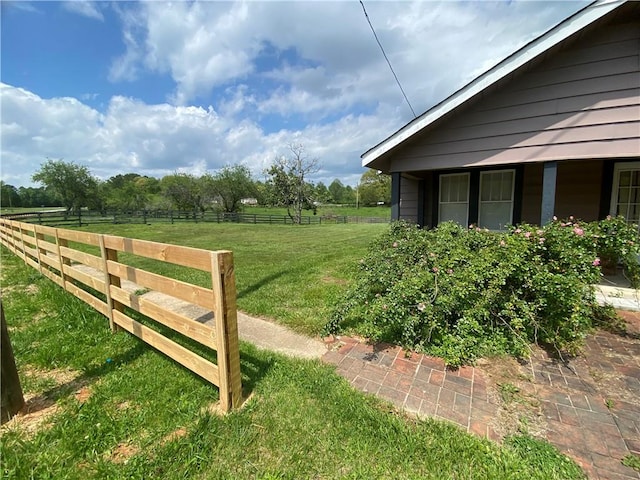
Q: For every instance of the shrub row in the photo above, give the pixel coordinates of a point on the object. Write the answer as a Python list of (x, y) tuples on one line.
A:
[(463, 293)]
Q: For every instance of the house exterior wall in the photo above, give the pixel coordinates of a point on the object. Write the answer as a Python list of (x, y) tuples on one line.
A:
[(409, 193), (582, 102), (578, 190)]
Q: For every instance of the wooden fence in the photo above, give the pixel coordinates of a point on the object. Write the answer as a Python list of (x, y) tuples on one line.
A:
[(86, 217), (99, 280)]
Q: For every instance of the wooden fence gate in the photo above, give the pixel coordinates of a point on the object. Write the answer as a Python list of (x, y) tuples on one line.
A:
[(100, 279)]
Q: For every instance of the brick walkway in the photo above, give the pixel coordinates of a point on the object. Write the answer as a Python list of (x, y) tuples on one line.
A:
[(588, 407)]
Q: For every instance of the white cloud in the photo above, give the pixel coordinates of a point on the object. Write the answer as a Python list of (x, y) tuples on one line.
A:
[(312, 69), (160, 139), (84, 8)]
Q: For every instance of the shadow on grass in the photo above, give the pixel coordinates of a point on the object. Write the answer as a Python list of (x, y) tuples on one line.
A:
[(49, 397), (261, 283)]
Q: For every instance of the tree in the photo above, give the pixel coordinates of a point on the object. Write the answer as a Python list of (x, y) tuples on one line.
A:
[(130, 191), (36, 197), (336, 189), (322, 193), (184, 191), (287, 178), (72, 184), (9, 196), (229, 186), (374, 187)]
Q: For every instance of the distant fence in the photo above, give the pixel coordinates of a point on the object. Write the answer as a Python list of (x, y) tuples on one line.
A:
[(84, 217), (99, 280)]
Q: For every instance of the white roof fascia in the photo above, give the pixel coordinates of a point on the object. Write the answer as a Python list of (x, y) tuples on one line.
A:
[(551, 38)]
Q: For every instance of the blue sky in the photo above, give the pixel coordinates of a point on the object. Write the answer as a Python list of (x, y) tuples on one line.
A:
[(157, 87)]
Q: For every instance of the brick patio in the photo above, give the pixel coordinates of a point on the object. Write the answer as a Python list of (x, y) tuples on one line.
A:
[(589, 406)]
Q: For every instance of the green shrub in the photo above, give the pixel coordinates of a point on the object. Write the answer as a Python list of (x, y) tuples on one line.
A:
[(465, 293)]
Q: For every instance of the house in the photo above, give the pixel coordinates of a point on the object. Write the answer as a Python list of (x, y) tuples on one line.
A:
[(554, 129)]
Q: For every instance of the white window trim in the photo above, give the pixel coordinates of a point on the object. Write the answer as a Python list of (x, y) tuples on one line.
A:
[(617, 169), (440, 203), (513, 189)]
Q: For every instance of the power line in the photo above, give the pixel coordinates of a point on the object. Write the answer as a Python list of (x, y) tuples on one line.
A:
[(387, 59)]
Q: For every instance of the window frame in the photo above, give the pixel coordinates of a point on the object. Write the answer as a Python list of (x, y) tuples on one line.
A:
[(511, 201), (440, 203), (618, 168)]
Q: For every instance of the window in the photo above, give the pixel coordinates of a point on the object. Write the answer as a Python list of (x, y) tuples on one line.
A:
[(454, 198), (495, 209), (625, 198)]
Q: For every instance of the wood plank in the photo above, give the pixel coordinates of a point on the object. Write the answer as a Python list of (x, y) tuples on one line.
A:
[(185, 256), (89, 280), (89, 299), (80, 237), (31, 262), (81, 257), (53, 276), (44, 229), (198, 365), (48, 246), (107, 283), (51, 261), (223, 281), (188, 327), (184, 291)]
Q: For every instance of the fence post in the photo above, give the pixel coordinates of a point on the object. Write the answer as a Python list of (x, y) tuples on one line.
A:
[(226, 320), (38, 236), (79, 217), (109, 254), (62, 263), (39, 218)]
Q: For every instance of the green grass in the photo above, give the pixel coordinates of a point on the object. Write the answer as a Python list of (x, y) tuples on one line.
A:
[(293, 274), (377, 212), (302, 420)]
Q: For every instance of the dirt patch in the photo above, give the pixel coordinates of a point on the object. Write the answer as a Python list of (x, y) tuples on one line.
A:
[(512, 388), (123, 452), (333, 280), (41, 404), (83, 394), (179, 433)]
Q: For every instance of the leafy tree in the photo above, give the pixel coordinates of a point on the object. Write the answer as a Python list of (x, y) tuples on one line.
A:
[(72, 184), (230, 185), (130, 191), (289, 187), (322, 193), (337, 191), (374, 187), (9, 196), (36, 197), (184, 191)]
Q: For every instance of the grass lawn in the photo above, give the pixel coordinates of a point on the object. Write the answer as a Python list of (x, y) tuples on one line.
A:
[(293, 274), (379, 212), (118, 409)]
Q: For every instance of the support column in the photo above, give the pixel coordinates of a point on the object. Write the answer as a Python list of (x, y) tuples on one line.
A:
[(395, 196), (549, 175)]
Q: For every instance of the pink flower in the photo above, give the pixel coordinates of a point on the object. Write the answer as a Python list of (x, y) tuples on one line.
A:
[(527, 234), (517, 230), (571, 218), (578, 231), (539, 232), (449, 271), (608, 217), (432, 255), (596, 262), (422, 307), (395, 244), (541, 240), (502, 243), (435, 269), (555, 219)]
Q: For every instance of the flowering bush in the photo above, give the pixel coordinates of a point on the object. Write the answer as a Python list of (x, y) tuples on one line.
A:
[(464, 293)]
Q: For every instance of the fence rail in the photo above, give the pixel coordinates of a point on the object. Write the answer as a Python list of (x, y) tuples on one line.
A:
[(115, 288), (84, 217)]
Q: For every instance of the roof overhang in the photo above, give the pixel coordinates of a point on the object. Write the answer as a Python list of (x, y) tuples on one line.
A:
[(565, 29)]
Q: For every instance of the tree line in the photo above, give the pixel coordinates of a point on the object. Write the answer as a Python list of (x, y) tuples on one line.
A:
[(286, 184)]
